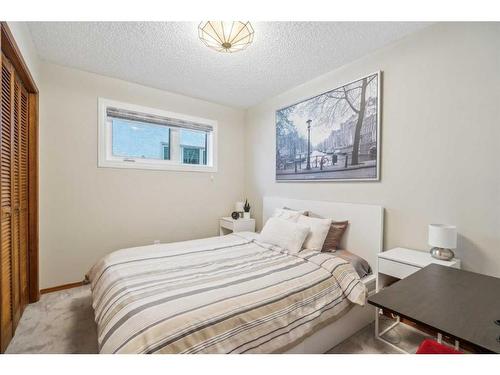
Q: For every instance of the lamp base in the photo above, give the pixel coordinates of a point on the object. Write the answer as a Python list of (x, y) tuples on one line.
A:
[(442, 253)]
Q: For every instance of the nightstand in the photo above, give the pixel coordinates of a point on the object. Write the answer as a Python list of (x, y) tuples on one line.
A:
[(228, 225), (397, 264), (400, 262)]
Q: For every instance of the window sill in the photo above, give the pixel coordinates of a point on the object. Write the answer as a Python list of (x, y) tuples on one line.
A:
[(158, 167)]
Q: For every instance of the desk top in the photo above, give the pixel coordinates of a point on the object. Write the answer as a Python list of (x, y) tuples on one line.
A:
[(457, 303)]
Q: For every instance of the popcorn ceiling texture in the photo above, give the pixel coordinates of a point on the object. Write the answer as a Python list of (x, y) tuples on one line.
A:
[(169, 55)]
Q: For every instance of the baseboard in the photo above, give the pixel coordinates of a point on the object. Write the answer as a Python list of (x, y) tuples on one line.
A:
[(62, 287)]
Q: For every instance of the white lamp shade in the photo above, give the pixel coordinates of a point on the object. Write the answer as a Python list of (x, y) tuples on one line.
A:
[(443, 235), (238, 207)]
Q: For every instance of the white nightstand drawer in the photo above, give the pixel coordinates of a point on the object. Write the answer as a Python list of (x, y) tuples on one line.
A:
[(395, 269), (228, 225)]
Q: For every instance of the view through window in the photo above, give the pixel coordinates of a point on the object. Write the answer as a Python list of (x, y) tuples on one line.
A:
[(149, 140)]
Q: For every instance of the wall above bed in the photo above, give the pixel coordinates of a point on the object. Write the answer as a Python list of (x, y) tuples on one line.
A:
[(440, 131)]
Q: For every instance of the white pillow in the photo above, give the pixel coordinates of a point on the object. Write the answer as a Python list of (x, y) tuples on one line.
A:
[(287, 214), (302, 212), (318, 231), (284, 233)]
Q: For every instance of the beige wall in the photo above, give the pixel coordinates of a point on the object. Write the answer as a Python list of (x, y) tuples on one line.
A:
[(22, 36), (440, 140), (86, 211)]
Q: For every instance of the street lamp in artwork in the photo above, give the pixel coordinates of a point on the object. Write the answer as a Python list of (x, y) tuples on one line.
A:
[(308, 166)]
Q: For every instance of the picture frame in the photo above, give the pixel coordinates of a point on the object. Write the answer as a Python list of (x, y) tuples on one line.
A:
[(316, 138)]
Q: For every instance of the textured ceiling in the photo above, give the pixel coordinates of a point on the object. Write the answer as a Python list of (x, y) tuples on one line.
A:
[(169, 56)]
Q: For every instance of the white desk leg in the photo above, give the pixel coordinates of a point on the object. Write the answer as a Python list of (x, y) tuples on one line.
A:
[(456, 346), (439, 338), (378, 334)]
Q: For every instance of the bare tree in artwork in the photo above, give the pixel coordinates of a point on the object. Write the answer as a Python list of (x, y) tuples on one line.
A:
[(361, 114), (287, 137), (350, 97), (332, 136)]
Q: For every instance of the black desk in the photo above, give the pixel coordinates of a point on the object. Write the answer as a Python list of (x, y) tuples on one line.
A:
[(460, 304)]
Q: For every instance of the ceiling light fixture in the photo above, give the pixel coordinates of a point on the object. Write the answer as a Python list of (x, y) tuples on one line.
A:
[(228, 37)]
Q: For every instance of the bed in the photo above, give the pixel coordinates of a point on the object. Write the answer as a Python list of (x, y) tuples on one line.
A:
[(233, 294)]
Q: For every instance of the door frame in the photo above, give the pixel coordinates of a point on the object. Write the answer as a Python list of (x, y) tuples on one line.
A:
[(11, 51)]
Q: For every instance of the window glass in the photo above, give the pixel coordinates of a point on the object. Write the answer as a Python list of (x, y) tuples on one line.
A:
[(191, 155), (140, 140), (166, 151), (131, 136), (194, 146)]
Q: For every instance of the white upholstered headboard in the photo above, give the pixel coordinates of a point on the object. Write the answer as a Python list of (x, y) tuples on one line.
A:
[(364, 235)]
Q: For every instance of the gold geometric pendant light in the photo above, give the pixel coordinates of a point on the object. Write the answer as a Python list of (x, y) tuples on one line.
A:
[(228, 37)]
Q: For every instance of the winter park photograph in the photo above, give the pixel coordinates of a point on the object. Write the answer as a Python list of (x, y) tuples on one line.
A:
[(332, 136)]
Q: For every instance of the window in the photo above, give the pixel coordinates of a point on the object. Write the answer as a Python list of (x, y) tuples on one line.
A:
[(144, 138), (191, 155), (165, 151), (131, 139), (193, 147)]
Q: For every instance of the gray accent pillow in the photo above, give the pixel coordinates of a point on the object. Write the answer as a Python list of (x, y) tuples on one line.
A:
[(334, 236), (360, 265)]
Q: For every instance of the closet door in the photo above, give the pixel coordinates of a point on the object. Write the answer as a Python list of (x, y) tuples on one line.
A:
[(5, 206), (16, 269), (23, 197), (13, 202), (18, 187)]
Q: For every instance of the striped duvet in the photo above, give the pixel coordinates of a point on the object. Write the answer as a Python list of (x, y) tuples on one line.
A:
[(227, 294)]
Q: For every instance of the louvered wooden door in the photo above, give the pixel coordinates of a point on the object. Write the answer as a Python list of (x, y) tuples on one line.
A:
[(5, 202), (23, 197), (13, 201)]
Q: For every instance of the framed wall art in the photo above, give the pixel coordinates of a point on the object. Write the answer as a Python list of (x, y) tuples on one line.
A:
[(334, 136)]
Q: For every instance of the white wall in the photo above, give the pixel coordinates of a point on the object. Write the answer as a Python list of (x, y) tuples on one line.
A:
[(23, 39), (86, 211), (440, 140)]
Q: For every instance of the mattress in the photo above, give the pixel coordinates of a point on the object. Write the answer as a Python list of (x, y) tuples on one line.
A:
[(228, 294)]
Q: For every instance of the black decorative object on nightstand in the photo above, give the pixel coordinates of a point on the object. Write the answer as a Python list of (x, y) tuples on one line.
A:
[(235, 215)]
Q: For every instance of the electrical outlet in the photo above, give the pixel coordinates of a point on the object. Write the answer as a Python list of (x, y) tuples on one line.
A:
[(156, 242)]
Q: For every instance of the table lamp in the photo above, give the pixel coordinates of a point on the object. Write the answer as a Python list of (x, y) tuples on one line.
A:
[(239, 207), (442, 238)]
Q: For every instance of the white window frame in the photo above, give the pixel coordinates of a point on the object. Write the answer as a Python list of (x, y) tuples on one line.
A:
[(106, 159)]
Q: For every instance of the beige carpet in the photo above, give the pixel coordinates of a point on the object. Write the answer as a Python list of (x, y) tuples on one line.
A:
[(364, 342), (63, 322)]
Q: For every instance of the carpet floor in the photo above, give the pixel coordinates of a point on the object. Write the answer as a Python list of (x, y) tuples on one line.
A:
[(63, 322)]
